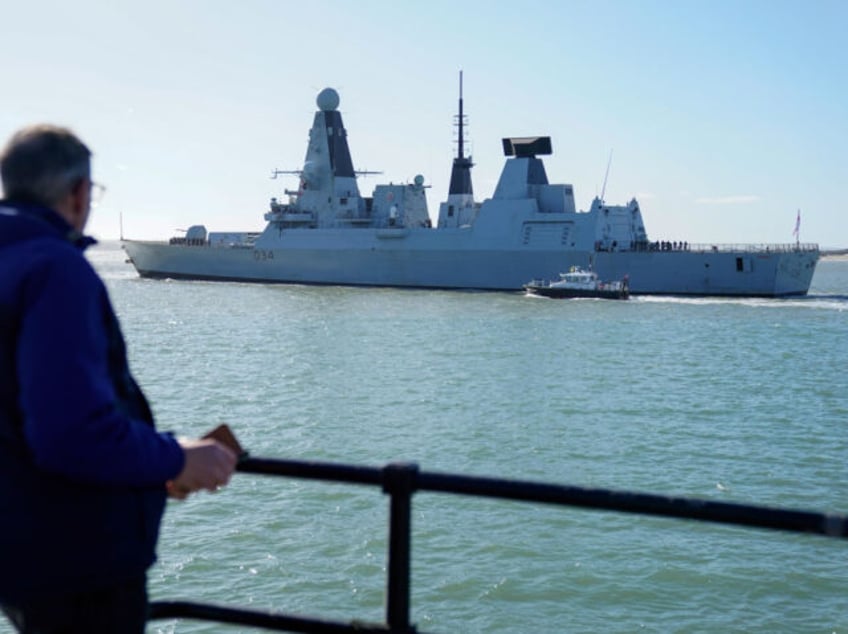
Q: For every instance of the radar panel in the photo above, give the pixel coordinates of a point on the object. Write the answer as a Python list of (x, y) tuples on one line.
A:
[(527, 146)]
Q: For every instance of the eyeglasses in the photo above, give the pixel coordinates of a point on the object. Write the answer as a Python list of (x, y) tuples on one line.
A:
[(96, 193)]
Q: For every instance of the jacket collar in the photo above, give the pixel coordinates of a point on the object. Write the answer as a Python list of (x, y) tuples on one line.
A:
[(50, 218)]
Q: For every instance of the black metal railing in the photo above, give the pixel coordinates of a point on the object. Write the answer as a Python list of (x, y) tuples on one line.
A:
[(401, 480)]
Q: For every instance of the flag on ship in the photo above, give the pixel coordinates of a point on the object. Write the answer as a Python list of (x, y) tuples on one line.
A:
[(797, 224)]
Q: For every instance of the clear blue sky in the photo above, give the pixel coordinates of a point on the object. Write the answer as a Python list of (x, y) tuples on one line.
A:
[(723, 117)]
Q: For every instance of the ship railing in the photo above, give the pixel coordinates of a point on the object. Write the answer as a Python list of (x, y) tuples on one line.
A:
[(713, 247), (400, 481), (189, 242), (757, 248)]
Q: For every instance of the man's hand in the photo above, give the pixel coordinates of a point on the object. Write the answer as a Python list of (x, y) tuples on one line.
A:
[(208, 465)]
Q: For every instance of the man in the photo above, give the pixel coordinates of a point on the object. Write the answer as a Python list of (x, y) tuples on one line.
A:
[(83, 473)]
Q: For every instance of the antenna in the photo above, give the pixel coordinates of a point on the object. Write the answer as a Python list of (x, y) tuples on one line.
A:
[(460, 153), (604, 188), (276, 172), (121, 224)]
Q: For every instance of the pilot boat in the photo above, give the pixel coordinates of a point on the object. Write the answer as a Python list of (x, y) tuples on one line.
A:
[(579, 282)]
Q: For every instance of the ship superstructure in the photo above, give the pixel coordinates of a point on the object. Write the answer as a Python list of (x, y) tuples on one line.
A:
[(328, 195)]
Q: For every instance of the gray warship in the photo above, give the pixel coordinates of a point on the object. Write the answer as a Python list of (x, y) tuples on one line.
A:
[(325, 232)]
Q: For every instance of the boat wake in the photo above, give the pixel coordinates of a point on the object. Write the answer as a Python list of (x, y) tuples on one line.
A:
[(837, 302)]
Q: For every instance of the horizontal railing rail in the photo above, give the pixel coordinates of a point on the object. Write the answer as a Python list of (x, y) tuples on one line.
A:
[(401, 480), (785, 247)]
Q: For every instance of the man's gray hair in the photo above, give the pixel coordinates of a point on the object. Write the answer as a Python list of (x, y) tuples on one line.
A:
[(42, 164)]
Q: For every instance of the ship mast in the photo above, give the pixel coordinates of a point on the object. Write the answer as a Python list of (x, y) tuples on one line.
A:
[(460, 182)]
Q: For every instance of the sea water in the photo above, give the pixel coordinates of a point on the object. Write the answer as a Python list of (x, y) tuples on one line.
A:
[(738, 400)]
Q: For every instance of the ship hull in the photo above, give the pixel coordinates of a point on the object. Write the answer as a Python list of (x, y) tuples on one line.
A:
[(555, 292), (455, 259)]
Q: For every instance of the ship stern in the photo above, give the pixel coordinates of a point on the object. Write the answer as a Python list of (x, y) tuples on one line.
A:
[(795, 271)]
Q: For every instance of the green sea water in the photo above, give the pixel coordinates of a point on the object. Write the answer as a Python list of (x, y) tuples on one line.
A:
[(742, 400)]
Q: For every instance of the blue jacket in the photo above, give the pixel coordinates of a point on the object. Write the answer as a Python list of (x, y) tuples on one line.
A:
[(82, 469)]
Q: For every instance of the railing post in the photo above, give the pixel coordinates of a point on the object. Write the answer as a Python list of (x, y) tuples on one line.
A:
[(400, 482)]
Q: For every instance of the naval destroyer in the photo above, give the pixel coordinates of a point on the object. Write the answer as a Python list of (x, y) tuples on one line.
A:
[(326, 232)]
